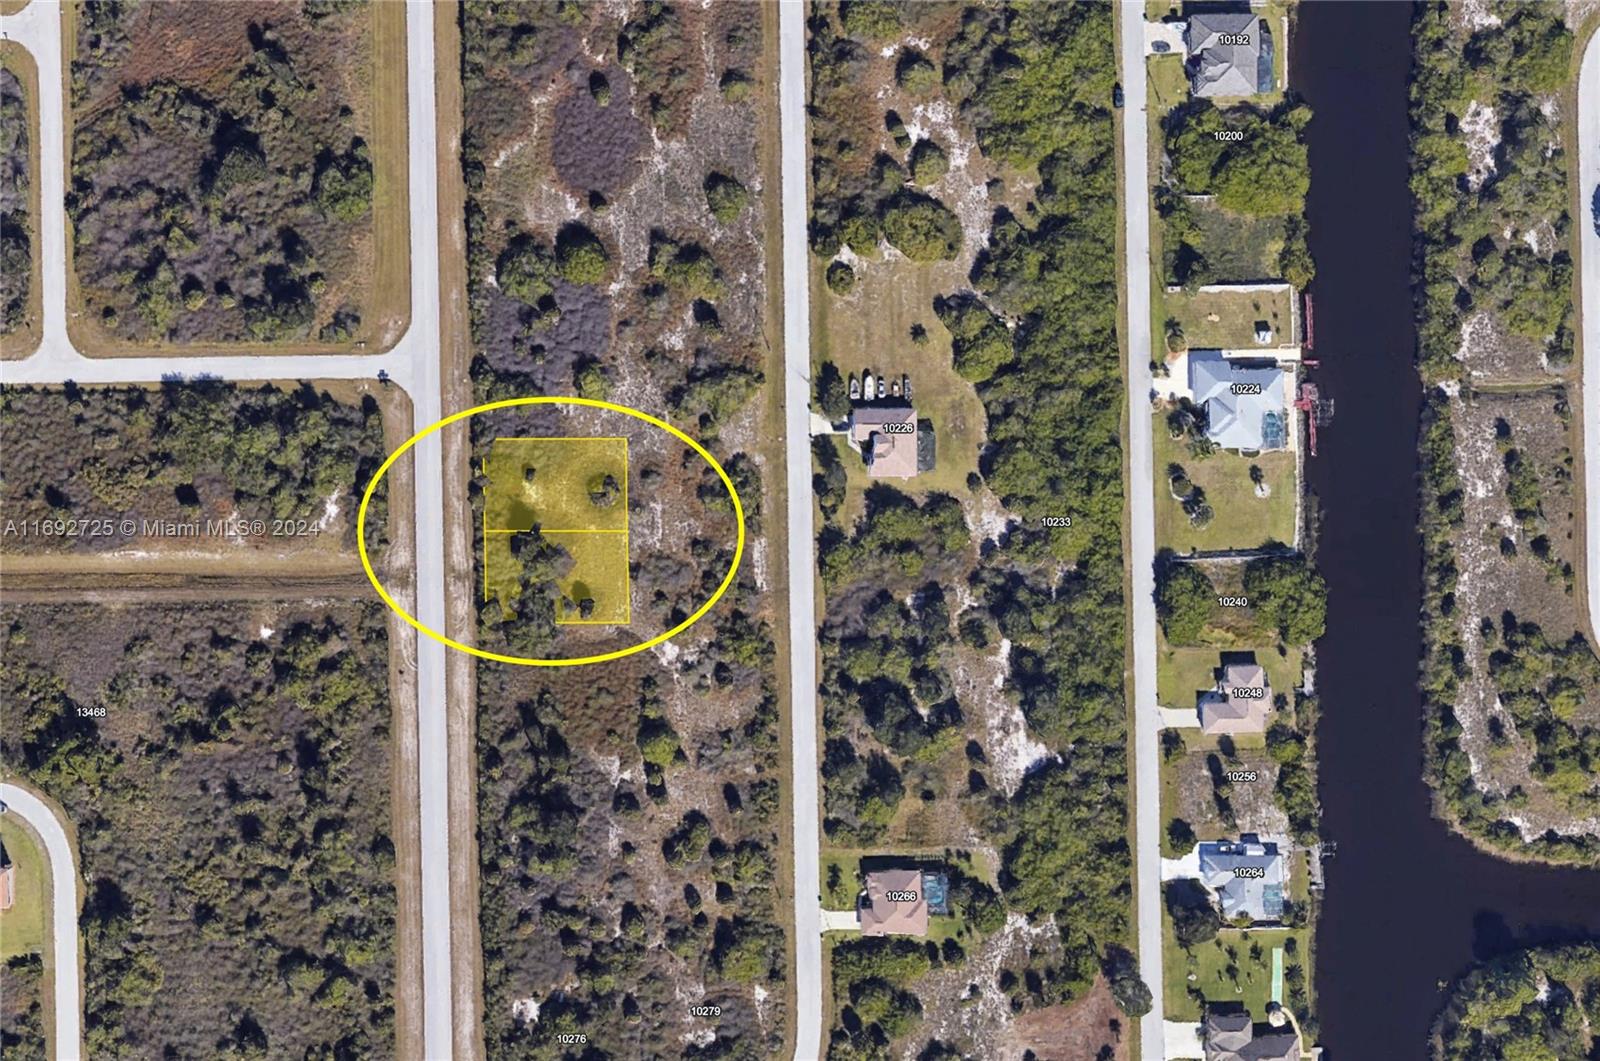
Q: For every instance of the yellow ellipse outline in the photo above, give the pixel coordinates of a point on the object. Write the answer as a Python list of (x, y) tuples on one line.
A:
[(529, 661)]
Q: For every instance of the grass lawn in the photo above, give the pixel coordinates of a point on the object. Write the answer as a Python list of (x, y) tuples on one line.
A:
[(22, 926), (841, 895), (1169, 86), (871, 329), (1182, 672), (1241, 520), (1226, 320), (1242, 977)]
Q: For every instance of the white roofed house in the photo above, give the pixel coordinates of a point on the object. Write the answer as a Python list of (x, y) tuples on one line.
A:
[(1245, 402)]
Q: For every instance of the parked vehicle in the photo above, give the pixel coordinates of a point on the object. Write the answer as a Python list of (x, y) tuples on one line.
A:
[(1160, 47), (883, 388), (855, 389), (866, 384), (1116, 94), (905, 387), (894, 388)]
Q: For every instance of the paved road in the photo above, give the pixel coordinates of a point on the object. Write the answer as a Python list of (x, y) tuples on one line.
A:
[(802, 533), (68, 988), (1589, 259), (413, 364), (1142, 526)]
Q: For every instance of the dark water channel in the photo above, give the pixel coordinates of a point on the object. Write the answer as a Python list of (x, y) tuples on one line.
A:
[(1408, 904)]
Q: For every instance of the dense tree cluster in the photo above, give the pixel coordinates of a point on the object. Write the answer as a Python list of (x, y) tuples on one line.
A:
[(1501, 243), (856, 200), (189, 451), (207, 760), (1539, 1004)]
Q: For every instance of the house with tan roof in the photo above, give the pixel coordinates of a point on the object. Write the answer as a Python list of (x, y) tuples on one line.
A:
[(894, 904), (886, 437), (1240, 703)]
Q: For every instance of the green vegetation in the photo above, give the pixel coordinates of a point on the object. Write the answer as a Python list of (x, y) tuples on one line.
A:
[(1035, 83), (22, 1020), (24, 923), (979, 341), (199, 759), (580, 256), (1257, 165), (920, 227), (1473, 241), (726, 198), (929, 163), (188, 451), (841, 278), (1289, 596), (1541, 681), (16, 251), (1185, 600), (661, 54), (260, 224), (1225, 484), (1541, 1004)]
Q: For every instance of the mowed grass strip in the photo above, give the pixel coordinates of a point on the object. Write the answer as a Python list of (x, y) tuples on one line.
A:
[(1226, 320), (1240, 519), (22, 927)]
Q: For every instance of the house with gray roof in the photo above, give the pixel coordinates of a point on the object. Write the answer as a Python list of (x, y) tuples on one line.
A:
[(1246, 878), (1230, 1035), (1230, 54), (1243, 400)]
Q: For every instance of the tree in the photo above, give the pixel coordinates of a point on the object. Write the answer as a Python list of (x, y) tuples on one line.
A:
[(525, 270), (1194, 919), (921, 227), (1290, 595), (841, 278), (580, 256), (725, 197), (1185, 599), (929, 163), (832, 396)]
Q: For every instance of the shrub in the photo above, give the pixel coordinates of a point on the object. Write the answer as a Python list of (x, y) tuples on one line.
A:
[(915, 74), (344, 185), (725, 197), (921, 227), (580, 256), (928, 162), (980, 343), (525, 270), (841, 278), (1185, 598)]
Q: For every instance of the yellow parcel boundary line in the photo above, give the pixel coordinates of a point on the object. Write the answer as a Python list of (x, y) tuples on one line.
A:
[(528, 661)]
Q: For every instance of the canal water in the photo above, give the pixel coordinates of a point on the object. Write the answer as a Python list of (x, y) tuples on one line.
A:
[(1408, 903)]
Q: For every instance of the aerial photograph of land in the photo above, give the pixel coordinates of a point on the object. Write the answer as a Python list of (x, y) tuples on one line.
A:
[(843, 530)]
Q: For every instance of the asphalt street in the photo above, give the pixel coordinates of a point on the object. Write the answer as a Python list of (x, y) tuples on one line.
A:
[(67, 989), (1141, 519), (801, 533)]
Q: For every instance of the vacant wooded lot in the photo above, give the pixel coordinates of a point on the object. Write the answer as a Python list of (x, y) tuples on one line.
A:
[(226, 768)]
